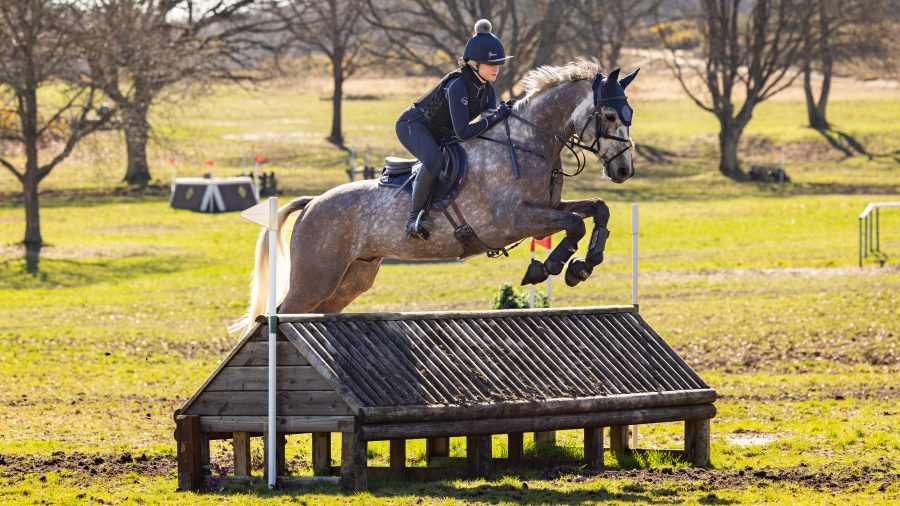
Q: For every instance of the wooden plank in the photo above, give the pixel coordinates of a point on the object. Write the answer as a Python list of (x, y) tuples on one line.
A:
[(696, 441), (353, 461), (443, 315), (592, 359), (397, 456), (515, 446), (256, 353), (256, 378), (286, 424), (618, 440), (593, 448), (528, 372), (294, 403), (478, 456), (321, 452), (241, 444), (538, 407), (411, 430), (431, 357), (189, 455)]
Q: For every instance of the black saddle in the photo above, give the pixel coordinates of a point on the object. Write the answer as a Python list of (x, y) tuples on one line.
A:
[(399, 173)]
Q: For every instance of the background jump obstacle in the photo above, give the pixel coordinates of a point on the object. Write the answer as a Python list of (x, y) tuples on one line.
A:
[(213, 195), (398, 376)]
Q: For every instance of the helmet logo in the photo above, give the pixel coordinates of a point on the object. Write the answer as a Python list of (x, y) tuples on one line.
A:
[(491, 54), (465, 100)]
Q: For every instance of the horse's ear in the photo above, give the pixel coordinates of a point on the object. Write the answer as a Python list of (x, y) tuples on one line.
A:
[(627, 79), (612, 78)]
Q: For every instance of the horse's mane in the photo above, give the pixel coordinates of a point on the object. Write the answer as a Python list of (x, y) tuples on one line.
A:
[(545, 77)]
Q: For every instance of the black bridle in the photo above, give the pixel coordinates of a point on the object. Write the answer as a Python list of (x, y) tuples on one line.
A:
[(574, 142)]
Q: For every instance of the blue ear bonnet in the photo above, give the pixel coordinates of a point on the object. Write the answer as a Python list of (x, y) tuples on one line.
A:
[(610, 91)]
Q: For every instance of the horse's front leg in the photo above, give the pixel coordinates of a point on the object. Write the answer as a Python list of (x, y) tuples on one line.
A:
[(533, 221), (579, 269)]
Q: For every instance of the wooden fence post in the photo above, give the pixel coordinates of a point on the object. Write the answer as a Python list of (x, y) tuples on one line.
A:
[(398, 456), (618, 440), (478, 455), (696, 441), (353, 460), (241, 444), (321, 452), (190, 441), (593, 448), (436, 447), (515, 447)]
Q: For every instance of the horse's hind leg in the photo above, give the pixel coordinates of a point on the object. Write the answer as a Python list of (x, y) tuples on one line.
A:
[(357, 280), (313, 280)]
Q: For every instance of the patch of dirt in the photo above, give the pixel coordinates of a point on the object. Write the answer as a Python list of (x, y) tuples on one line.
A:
[(857, 392), (88, 464), (828, 478), (751, 438)]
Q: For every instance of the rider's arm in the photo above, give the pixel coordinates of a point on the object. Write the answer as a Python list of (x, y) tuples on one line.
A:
[(457, 99)]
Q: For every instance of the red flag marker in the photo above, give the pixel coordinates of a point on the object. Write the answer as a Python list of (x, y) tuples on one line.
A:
[(546, 242)]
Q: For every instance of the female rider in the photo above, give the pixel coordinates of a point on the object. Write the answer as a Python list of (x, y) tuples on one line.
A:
[(444, 114)]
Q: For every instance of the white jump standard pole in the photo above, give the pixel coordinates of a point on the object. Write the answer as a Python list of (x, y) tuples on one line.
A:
[(273, 330), (634, 287)]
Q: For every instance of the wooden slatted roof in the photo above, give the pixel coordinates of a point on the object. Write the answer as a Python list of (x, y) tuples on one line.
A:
[(556, 357)]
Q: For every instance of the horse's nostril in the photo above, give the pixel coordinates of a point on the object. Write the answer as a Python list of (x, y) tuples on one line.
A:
[(623, 172)]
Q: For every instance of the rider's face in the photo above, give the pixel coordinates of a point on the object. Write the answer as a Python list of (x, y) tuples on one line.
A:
[(488, 71)]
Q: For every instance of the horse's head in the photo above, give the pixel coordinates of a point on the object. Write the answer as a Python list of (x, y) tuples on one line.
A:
[(612, 120)]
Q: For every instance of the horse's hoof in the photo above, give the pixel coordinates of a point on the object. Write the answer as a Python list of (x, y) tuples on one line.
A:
[(577, 272), (536, 273)]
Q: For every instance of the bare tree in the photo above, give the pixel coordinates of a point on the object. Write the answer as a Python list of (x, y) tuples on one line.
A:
[(336, 28), (749, 55), (603, 27), (141, 48), (40, 51), (431, 34), (858, 30)]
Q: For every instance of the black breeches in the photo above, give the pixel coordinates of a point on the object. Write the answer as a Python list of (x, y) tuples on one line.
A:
[(417, 138)]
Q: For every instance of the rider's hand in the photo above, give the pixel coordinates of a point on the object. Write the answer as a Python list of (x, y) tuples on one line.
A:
[(504, 110), (511, 102)]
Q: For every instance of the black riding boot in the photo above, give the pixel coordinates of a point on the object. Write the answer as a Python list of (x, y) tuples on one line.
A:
[(419, 226)]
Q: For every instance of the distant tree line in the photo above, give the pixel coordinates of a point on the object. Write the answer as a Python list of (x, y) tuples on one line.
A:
[(111, 61)]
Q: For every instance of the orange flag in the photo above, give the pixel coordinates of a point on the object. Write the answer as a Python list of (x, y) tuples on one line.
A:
[(546, 242)]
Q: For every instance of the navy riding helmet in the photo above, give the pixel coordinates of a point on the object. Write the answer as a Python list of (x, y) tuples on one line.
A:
[(485, 47)]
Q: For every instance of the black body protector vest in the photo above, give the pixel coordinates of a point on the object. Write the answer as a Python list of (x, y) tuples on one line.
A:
[(437, 111)]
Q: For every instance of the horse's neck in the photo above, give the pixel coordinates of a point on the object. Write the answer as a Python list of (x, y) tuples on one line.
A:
[(556, 111)]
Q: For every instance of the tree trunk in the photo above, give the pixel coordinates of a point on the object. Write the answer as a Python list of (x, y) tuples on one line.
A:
[(33, 241), (729, 139), (337, 99), (137, 133), (814, 113)]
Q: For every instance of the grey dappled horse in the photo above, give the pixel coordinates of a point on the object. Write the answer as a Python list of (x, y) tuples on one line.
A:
[(340, 237)]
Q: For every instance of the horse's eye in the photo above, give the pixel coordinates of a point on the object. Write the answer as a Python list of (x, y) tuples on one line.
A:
[(610, 116)]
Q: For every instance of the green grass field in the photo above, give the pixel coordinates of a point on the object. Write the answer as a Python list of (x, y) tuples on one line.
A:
[(756, 285)]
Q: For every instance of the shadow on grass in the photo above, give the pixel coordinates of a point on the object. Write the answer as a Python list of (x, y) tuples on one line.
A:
[(30, 272)]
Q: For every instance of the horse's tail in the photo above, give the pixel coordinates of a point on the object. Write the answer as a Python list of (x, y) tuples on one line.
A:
[(259, 278)]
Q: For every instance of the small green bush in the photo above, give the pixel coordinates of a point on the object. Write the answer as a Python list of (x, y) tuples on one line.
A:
[(509, 298)]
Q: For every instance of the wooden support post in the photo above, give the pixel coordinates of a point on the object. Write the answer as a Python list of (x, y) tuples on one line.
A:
[(279, 454), (321, 452), (696, 441), (618, 440), (190, 456), (593, 448), (547, 437), (353, 460), (398, 456), (241, 443), (436, 447), (478, 455), (515, 447)]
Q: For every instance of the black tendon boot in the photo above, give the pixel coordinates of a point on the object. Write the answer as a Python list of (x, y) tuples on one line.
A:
[(419, 225)]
